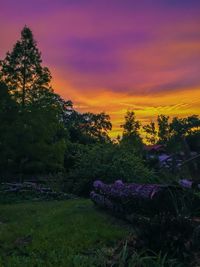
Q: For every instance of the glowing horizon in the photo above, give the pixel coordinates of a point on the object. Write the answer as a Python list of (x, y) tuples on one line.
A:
[(115, 55)]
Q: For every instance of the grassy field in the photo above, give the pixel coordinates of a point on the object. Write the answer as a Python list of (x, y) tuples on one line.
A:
[(55, 234)]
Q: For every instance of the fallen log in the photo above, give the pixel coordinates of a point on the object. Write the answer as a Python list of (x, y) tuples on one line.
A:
[(148, 199)]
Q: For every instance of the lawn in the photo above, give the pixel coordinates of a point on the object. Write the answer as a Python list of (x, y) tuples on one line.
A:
[(55, 234)]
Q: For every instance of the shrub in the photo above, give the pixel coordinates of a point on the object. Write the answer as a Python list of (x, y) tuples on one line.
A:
[(108, 163)]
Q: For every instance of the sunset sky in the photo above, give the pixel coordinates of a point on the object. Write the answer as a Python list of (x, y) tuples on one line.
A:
[(115, 55)]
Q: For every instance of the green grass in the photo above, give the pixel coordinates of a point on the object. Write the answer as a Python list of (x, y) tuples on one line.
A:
[(55, 234)]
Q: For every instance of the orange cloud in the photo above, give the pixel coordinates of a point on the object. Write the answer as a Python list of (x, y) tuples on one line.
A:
[(146, 107)]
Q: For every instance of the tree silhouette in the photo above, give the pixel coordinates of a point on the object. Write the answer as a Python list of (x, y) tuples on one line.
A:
[(21, 69), (163, 128), (131, 134), (35, 137), (151, 132)]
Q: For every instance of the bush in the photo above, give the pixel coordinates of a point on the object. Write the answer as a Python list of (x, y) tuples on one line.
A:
[(108, 163)]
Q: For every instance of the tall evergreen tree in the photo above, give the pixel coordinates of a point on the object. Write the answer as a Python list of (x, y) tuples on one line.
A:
[(35, 138), (21, 69)]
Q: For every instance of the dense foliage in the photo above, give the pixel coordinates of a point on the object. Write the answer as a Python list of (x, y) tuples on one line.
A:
[(108, 162)]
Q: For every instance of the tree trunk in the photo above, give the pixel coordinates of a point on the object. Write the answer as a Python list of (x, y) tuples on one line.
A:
[(24, 86)]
